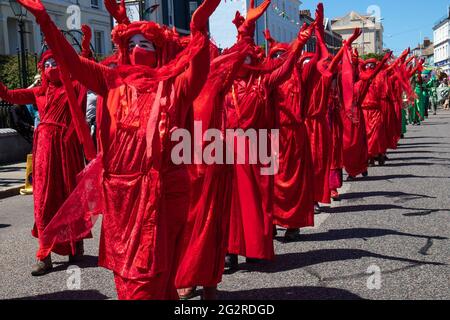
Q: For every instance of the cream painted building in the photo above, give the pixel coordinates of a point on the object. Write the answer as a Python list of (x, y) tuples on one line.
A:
[(371, 40), (441, 36), (92, 13), (282, 19)]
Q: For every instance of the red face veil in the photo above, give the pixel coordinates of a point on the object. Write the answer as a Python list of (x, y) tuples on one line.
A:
[(49, 69), (140, 56)]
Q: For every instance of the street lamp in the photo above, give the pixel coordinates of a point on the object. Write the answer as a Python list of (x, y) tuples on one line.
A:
[(20, 13)]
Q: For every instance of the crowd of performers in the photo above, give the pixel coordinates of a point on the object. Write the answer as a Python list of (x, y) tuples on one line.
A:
[(168, 228)]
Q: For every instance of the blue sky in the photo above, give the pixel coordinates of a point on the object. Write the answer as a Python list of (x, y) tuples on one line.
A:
[(405, 22)]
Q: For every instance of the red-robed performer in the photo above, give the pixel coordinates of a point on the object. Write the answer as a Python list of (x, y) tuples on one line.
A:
[(57, 152), (373, 114), (391, 102), (337, 129), (53, 181), (355, 85), (293, 188), (209, 241), (208, 227), (143, 196), (248, 107), (336, 125), (315, 88)]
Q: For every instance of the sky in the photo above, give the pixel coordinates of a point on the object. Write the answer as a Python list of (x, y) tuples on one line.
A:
[(405, 22)]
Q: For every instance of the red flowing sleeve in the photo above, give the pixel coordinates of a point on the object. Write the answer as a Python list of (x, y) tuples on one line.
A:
[(89, 73), (19, 96), (191, 81)]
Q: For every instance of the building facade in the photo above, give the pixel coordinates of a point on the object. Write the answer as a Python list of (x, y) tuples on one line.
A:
[(92, 13), (425, 51), (281, 19), (332, 39), (441, 37), (371, 40)]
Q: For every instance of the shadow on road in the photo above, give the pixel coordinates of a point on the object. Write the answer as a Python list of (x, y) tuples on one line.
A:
[(289, 293), (387, 194), (395, 176), (418, 158), (12, 169), (68, 295), (4, 225), (381, 207), (412, 164), (87, 262), (362, 233), (293, 261)]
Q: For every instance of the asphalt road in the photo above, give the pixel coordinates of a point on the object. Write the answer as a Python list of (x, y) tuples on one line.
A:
[(387, 239)]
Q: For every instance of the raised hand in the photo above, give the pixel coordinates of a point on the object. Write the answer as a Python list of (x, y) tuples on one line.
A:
[(386, 57), (405, 53), (268, 37), (306, 32), (36, 7), (238, 19), (320, 14), (202, 14), (356, 34), (86, 42), (119, 12), (254, 14)]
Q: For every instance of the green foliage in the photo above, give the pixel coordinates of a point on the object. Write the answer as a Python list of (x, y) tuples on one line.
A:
[(10, 72), (377, 56)]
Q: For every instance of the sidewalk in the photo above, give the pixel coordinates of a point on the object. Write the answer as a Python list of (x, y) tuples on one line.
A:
[(12, 179)]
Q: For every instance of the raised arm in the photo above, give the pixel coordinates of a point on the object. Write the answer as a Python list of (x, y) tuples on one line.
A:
[(89, 73), (320, 30), (19, 96), (247, 27), (380, 66), (196, 74), (283, 72), (347, 44), (399, 61)]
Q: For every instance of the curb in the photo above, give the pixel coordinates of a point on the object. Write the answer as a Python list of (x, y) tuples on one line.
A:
[(11, 192)]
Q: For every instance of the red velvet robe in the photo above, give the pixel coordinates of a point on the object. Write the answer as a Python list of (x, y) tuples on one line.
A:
[(57, 154), (354, 90), (373, 115), (294, 192), (207, 230), (251, 218), (248, 106), (315, 90), (337, 128), (388, 100), (143, 196)]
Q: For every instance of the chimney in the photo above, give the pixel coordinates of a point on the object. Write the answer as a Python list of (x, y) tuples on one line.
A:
[(426, 42), (308, 12)]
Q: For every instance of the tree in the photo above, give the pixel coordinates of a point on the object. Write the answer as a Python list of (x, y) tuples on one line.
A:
[(10, 72)]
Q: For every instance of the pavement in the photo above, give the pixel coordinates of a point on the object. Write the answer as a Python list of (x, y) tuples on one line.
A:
[(12, 179), (387, 239)]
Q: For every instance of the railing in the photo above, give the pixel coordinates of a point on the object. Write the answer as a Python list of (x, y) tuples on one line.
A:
[(5, 115)]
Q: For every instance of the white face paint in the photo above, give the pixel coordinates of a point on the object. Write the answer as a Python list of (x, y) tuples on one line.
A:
[(248, 60), (277, 54), (50, 63), (140, 41), (306, 61)]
